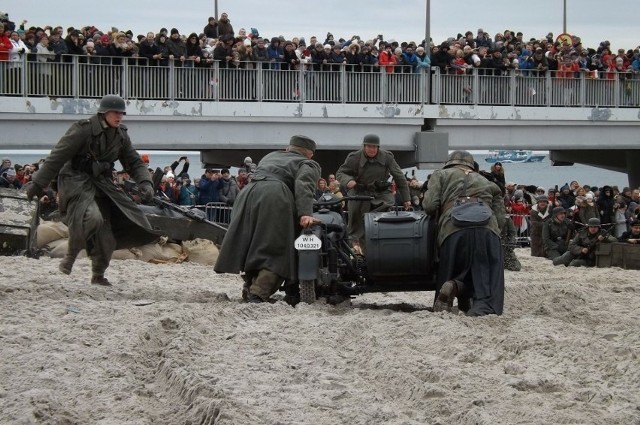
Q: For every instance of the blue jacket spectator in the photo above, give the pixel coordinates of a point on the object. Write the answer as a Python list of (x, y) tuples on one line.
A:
[(423, 60), (275, 53), (209, 187), (635, 65), (410, 59), (524, 62)]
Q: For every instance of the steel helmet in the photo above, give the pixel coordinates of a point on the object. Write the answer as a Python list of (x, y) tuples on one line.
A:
[(112, 102), (460, 158), (371, 139)]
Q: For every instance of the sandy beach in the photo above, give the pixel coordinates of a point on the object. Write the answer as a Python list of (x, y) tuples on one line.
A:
[(174, 344)]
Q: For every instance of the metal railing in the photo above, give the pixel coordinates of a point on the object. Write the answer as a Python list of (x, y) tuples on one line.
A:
[(82, 77), (217, 212)]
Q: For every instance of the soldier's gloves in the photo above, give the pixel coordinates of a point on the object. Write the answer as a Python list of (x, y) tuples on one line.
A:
[(34, 191), (146, 191)]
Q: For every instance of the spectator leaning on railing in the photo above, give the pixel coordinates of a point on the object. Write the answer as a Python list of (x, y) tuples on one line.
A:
[(507, 52)]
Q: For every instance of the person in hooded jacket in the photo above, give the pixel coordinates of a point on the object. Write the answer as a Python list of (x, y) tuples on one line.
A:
[(194, 51), (442, 58), (497, 171), (275, 54), (423, 60), (565, 197), (355, 59), (606, 205), (539, 213)]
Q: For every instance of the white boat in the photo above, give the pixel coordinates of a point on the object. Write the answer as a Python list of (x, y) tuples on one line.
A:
[(510, 157)]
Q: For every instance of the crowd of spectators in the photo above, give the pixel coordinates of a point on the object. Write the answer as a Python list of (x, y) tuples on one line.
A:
[(528, 206), (219, 42)]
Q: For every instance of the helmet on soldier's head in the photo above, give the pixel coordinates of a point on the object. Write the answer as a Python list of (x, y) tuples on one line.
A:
[(371, 139), (459, 158), (593, 222), (112, 102)]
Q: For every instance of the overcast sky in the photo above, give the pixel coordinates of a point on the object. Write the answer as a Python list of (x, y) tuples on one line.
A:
[(592, 20)]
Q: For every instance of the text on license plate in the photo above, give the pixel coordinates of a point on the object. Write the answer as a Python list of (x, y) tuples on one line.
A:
[(307, 242)]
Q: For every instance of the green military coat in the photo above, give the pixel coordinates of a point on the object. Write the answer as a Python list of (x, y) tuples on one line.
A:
[(78, 188), (365, 171), (445, 186), (265, 217)]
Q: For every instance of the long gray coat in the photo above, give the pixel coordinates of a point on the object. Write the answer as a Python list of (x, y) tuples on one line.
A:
[(537, 219), (77, 188), (264, 221)]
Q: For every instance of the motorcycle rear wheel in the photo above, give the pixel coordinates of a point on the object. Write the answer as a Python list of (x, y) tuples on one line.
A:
[(307, 291)]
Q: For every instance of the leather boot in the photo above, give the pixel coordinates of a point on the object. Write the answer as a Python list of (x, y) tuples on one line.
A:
[(447, 294)]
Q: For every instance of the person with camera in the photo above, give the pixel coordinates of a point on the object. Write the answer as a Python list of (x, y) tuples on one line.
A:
[(366, 172), (266, 219), (471, 257), (185, 166), (100, 216)]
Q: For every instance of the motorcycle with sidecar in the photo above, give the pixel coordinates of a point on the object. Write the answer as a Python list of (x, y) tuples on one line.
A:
[(400, 247)]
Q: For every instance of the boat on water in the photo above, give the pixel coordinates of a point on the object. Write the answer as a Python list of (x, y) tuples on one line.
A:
[(510, 157)]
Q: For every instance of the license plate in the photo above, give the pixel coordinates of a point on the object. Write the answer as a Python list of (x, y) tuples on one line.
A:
[(307, 243)]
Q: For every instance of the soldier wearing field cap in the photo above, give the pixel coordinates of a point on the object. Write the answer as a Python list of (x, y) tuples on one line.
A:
[(582, 248), (366, 172), (267, 217), (556, 233)]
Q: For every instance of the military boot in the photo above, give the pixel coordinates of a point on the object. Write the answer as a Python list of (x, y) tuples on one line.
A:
[(100, 280), (448, 293), (67, 263)]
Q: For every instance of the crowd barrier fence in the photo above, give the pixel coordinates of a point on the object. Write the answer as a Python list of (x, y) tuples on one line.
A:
[(82, 77)]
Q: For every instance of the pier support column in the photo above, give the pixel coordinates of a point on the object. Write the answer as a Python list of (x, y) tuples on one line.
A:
[(633, 169)]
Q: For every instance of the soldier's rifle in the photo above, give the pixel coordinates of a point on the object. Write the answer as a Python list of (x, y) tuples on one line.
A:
[(593, 243)]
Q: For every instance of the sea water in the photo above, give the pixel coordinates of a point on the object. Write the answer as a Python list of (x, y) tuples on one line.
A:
[(534, 173)]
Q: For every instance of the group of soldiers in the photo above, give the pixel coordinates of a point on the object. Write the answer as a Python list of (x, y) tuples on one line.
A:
[(260, 245), (568, 242)]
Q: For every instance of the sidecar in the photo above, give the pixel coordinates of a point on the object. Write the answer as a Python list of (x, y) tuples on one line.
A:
[(400, 249)]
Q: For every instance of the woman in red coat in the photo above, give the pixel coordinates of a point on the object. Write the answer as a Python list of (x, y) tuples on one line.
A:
[(387, 59)]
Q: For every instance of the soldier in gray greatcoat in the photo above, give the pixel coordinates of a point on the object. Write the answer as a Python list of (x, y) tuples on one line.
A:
[(100, 216), (366, 172), (471, 258), (267, 216), (556, 233)]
